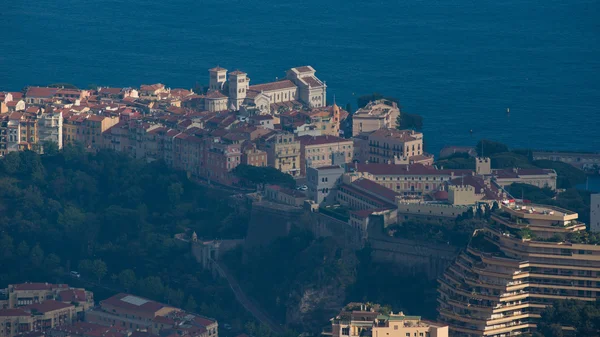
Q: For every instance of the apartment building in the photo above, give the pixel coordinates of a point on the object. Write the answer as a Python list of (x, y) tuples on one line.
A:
[(318, 151), (251, 155), (23, 294), (50, 127), (358, 319), (283, 152), (380, 114), (35, 317), (526, 258), (136, 313), (391, 146), (221, 159)]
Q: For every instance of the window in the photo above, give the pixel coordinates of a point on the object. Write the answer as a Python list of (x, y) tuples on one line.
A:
[(408, 334), (395, 327), (345, 331)]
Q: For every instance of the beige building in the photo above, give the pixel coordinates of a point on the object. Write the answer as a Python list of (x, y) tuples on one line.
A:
[(283, 152), (374, 116), (135, 313), (36, 317), (358, 319), (299, 87), (319, 151), (391, 146), (527, 258)]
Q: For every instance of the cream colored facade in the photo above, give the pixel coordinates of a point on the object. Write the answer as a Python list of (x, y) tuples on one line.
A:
[(368, 322), (390, 146), (319, 151), (283, 153), (35, 317), (376, 115), (515, 267)]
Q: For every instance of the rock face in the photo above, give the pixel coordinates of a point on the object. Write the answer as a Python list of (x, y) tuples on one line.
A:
[(311, 307)]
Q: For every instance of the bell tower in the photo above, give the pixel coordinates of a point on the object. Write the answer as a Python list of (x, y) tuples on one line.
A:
[(238, 86), (217, 78)]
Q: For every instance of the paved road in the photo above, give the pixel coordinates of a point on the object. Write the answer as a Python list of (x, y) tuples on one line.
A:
[(247, 303)]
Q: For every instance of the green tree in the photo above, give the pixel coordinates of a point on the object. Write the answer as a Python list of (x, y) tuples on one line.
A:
[(488, 148), (363, 100), (86, 267), (349, 108), (11, 163), (52, 262), (36, 256), (409, 121), (174, 297), (152, 286), (175, 192), (127, 279), (23, 249), (190, 304), (6, 247), (50, 148), (100, 269)]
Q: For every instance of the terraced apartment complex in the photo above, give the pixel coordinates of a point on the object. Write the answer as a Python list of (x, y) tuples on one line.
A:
[(526, 258)]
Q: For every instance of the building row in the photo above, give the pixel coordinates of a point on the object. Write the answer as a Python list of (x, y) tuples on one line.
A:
[(58, 310)]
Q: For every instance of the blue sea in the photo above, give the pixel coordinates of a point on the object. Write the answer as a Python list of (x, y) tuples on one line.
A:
[(458, 63)]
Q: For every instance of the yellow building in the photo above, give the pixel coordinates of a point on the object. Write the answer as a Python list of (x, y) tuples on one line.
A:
[(358, 319), (374, 116), (391, 146), (319, 151), (283, 152), (35, 317), (528, 257)]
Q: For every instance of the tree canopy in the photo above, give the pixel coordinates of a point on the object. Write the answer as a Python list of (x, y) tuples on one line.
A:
[(113, 219), (584, 317), (363, 100), (253, 175), (487, 148)]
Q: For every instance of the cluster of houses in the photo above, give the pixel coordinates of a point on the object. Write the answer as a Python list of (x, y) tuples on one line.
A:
[(58, 310), (361, 161)]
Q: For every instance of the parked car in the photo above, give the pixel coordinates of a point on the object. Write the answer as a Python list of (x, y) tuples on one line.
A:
[(75, 274), (302, 188)]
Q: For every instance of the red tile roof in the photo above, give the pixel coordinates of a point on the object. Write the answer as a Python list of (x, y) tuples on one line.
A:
[(215, 95), (40, 92), (374, 188), (304, 69), (278, 85), (34, 286), (217, 68), (151, 87), (72, 295), (110, 91), (312, 81), (12, 313), (46, 306), (203, 321), (319, 140), (16, 95), (145, 306)]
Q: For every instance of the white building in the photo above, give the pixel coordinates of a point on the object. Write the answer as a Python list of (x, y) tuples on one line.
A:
[(595, 213), (50, 127), (300, 87)]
